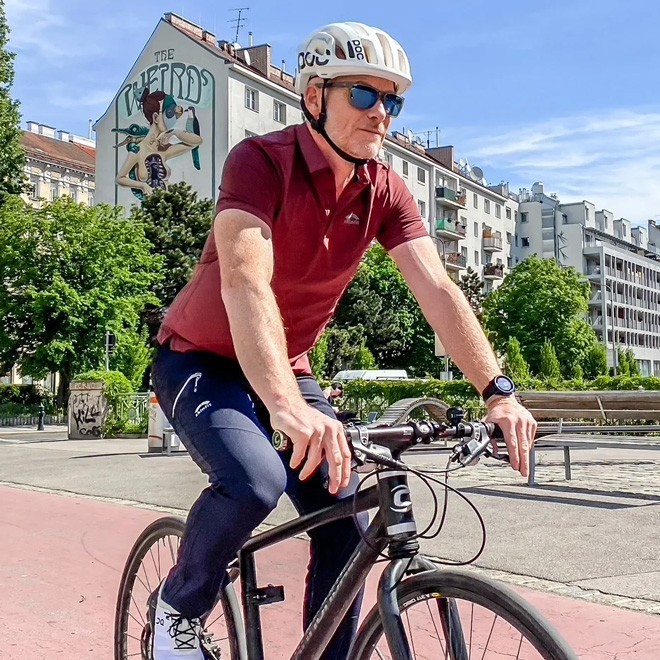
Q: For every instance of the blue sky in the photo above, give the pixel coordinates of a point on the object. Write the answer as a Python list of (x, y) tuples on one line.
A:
[(565, 92)]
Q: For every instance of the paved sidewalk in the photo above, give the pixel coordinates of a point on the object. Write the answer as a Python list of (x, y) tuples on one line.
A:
[(62, 557)]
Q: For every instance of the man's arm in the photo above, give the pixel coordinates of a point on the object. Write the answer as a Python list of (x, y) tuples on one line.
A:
[(245, 256), (450, 315)]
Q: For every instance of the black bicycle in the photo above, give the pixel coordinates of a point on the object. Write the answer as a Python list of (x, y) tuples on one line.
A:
[(422, 611)]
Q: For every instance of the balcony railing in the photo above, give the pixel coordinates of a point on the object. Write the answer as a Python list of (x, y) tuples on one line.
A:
[(449, 228), (456, 260), (494, 271), (492, 242), (449, 197)]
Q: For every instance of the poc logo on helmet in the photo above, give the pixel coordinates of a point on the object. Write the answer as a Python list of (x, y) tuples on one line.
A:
[(355, 50), (309, 59)]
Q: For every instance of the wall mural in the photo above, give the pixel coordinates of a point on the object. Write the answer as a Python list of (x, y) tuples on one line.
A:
[(165, 118)]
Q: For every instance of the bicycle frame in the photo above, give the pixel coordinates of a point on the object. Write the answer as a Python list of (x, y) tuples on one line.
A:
[(351, 579)]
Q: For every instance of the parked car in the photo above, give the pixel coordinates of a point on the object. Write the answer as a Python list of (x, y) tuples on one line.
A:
[(371, 374)]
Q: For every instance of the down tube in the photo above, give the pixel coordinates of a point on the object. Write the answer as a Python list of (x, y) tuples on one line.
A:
[(343, 593)]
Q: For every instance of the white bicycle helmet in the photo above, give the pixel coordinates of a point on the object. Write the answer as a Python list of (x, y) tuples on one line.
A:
[(346, 49)]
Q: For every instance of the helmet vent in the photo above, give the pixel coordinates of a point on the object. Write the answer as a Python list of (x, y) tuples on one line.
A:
[(387, 51), (370, 51)]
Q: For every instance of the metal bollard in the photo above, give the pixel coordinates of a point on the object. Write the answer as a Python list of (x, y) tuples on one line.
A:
[(42, 414)]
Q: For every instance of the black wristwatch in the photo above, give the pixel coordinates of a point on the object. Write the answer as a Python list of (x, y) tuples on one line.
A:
[(499, 386)]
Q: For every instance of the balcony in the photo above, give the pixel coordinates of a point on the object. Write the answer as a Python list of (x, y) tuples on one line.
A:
[(492, 242), (455, 261), (449, 228), (494, 272), (449, 198)]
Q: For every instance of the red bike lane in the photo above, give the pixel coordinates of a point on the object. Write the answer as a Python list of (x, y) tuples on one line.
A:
[(61, 558)]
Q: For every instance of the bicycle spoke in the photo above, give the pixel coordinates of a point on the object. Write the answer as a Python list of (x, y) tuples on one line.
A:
[(437, 632), (489, 636), (137, 607), (410, 635)]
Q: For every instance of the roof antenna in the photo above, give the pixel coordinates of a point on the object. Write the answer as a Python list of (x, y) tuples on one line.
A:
[(239, 20)]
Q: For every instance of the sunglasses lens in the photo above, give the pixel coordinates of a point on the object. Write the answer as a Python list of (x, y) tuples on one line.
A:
[(363, 98), (393, 105)]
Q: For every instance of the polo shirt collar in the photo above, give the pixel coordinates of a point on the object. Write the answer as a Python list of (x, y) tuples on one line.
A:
[(317, 162)]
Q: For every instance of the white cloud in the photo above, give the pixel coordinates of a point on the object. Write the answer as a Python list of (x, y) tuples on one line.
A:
[(611, 159)]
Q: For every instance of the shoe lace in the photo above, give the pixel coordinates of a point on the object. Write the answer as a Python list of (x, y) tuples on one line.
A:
[(184, 632)]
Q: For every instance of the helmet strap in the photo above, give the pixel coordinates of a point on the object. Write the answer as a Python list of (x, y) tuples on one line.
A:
[(318, 124)]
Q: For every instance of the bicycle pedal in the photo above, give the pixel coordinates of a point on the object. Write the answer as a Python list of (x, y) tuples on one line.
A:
[(267, 595)]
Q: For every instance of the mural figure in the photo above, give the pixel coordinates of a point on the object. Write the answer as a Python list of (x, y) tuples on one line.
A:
[(150, 147)]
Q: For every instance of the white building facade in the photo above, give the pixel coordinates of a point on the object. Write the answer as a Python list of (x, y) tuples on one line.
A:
[(621, 262)]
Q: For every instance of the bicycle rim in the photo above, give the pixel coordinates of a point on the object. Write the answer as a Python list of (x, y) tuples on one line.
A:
[(148, 564), (454, 615)]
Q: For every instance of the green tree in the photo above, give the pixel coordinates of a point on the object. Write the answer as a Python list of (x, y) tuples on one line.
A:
[(627, 364), (595, 363), (344, 345), (318, 356), (515, 365), (550, 369), (177, 224), (133, 355), (70, 274), (12, 156), (395, 330), (538, 301), (473, 287)]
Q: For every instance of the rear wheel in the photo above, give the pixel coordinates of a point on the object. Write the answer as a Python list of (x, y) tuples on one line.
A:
[(150, 560), (458, 616)]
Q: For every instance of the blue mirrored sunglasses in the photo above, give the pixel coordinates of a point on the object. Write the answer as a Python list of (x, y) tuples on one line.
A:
[(364, 97)]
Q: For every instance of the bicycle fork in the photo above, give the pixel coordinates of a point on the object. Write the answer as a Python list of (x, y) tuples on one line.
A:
[(400, 527)]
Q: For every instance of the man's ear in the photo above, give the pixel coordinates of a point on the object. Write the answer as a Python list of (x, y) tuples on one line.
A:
[(313, 99)]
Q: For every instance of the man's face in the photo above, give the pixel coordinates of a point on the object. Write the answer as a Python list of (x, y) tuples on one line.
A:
[(359, 133)]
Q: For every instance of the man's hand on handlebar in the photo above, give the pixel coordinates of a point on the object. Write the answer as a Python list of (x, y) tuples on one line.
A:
[(519, 428), (315, 436)]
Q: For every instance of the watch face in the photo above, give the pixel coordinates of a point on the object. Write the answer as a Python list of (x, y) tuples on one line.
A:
[(504, 384)]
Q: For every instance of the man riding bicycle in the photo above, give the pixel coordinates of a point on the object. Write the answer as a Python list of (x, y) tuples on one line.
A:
[(296, 212)]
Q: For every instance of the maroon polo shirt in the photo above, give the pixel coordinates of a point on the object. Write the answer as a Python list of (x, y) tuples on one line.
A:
[(284, 179)]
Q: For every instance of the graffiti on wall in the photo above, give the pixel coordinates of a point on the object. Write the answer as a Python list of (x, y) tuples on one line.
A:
[(86, 412), (164, 121)]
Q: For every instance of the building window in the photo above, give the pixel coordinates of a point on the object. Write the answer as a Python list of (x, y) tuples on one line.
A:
[(564, 219), (464, 253), (404, 167), (421, 175), (516, 240), (498, 211), (476, 229), (508, 262), (508, 237), (388, 158), (525, 241), (476, 258), (422, 207), (475, 200), (34, 187), (54, 190), (252, 99), (586, 212), (523, 217), (279, 112), (605, 223), (487, 206), (624, 229), (90, 199), (508, 213)]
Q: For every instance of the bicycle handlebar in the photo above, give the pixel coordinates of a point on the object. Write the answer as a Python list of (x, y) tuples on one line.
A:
[(384, 444)]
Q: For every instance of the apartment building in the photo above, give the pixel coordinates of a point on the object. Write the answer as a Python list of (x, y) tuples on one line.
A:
[(621, 262), (58, 163)]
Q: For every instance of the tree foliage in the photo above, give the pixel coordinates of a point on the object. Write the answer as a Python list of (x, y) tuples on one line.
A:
[(539, 301), (515, 365), (595, 363), (133, 355), (473, 287), (395, 330), (177, 224), (627, 364), (69, 273), (12, 156), (549, 363)]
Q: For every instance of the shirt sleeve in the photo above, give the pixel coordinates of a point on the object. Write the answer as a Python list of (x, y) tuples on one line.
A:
[(250, 182), (402, 221)]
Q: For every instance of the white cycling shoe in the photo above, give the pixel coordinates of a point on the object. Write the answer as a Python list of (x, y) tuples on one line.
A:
[(174, 637)]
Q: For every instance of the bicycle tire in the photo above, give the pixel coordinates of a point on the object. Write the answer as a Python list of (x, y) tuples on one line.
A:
[(492, 596), (158, 530)]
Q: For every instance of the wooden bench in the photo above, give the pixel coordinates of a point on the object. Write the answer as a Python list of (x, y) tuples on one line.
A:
[(589, 420)]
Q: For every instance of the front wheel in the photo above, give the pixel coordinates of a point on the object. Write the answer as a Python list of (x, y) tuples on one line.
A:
[(459, 616), (150, 560)]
